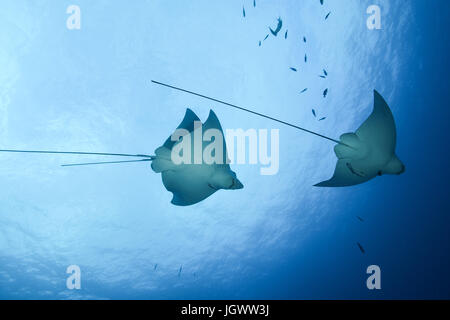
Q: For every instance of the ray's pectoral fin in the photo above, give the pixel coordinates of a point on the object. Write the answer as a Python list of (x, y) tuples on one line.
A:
[(187, 124), (345, 175), (379, 127)]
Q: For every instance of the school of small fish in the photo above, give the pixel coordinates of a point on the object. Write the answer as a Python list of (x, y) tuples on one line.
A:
[(324, 74), (274, 31)]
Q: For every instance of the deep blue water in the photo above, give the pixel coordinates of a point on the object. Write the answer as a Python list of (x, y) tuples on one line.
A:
[(279, 237)]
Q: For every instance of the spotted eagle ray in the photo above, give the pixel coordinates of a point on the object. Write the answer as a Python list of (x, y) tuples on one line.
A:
[(192, 183), (368, 152), (363, 155), (189, 182)]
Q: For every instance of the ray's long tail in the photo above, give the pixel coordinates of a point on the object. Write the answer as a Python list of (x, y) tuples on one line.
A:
[(145, 156), (104, 162), (247, 110)]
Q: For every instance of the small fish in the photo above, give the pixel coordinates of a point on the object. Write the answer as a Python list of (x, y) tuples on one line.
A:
[(306, 58), (321, 2), (304, 90), (266, 37), (361, 247), (314, 112), (156, 266), (254, 3), (325, 72), (243, 12), (322, 76), (279, 25), (260, 43), (304, 39), (293, 69), (360, 219), (321, 119), (325, 92), (285, 34), (326, 17), (179, 271)]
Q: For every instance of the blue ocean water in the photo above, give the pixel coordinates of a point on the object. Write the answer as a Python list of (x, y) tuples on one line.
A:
[(89, 89)]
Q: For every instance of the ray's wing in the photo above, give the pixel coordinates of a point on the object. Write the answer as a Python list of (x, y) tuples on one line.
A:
[(345, 175), (188, 124), (379, 128), (213, 123), (162, 161)]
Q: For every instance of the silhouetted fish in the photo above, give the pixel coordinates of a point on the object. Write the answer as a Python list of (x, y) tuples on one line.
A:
[(361, 247), (209, 178), (285, 34), (179, 271), (313, 112), (254, 3), (321, 2), (266, 37), (279, 25), (303, 90), (325, 92), (304, 39), (156, 265), (293, 69), (260, 43), (243, 12), (322, 76), (306, 58), (369, 151), (322, 118), (325, 72), (360, 219), (326, 17)]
